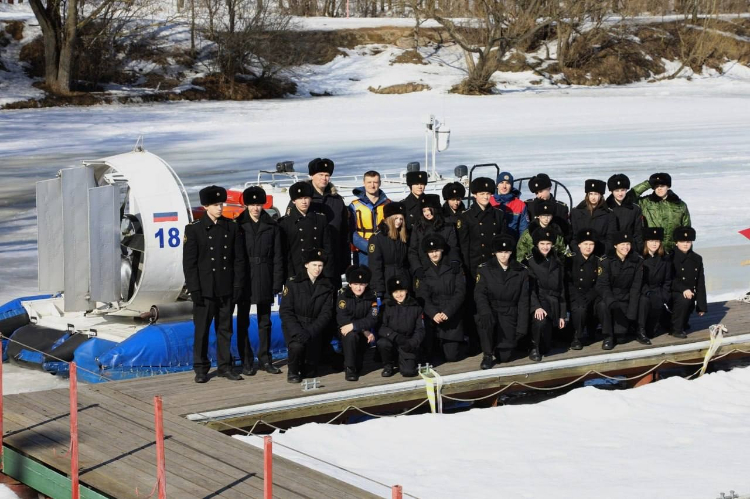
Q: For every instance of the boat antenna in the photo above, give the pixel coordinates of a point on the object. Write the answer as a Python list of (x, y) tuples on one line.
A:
[(139, 144)]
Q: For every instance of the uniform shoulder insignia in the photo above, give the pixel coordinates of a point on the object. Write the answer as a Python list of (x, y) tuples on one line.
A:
[(560, 202), (571, 254), (290, 279), (289, 211), (602, 258), (195, 221), (342, 304), (522, 265), (482, 265)]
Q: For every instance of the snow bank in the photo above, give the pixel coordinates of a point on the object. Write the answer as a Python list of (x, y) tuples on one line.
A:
[(673, 438)]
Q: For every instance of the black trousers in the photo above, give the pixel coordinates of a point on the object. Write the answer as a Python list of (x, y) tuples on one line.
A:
[(263, 314), (303, 357), (541, 333), (681, 310), (390, 352), (354, 346), (650, 310), (218, 311), (614, 321), (502, 336), (451, 350), (583, 318)]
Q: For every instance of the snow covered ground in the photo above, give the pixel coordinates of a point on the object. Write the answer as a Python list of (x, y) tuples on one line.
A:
[(673, 438)]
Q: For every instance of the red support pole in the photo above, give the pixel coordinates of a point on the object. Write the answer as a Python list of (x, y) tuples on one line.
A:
[(267, 468), (74, 489), (397, 492), (161, 467)]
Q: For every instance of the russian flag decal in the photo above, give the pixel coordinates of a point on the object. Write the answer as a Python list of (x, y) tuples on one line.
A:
[(169, 216)]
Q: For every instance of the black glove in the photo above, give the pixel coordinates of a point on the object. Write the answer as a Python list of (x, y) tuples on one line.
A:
[(455, 267), (236, 295), (419, 273), (197, 298)]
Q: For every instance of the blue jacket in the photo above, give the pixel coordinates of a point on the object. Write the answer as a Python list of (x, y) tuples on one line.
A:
[(516, 213), (357, 208)]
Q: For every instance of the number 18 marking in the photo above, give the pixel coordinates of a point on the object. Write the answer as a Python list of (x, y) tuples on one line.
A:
[(173, 238)]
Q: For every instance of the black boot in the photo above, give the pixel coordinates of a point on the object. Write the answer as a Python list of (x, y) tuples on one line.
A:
[(678, 334), (271, 369), (641, 337), (229, 375), (201, 378), (576, 344), (351, 374), (608, 344), (534, 355), (387, 371), (486, 362), (293, 377), (249, 370)]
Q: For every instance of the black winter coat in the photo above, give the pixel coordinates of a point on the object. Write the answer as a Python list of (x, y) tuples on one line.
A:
[(602, 221), (580, 279), (413, 210), (306, 308), (213, 257), (619, 283), (547, 283), (443, 290), (628, 218), (561, 216), (264, 257), (418, 259), (360, 311), (332, 205), (449, 215), (688, 274), (503, 299), (301, 232), (387, 258), (657, 277), (403, 319), (476, 228)]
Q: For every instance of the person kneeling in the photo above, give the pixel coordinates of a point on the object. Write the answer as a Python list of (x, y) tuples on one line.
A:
[(441, 292), (503, 300), (306, 309), (357, 318), (402, 330)]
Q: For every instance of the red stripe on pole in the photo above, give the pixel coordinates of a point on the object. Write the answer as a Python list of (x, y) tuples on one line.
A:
[(746, 233), (74, 492), (267, 468), (161, 467), (397, 492)]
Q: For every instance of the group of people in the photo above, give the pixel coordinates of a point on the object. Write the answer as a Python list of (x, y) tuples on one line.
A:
[(427, 279)]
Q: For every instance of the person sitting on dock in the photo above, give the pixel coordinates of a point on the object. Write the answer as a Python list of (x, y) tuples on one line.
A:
[(431, 222), (619, 287), (402, 330), (503, 299), (306, 310), (357, 319), (441, 291), (213, 260), (547, 283), (417, 181), (543, 219), (688, 281), (453, 195), (264, 278), (389, 249), (580, 281), (657, 285)]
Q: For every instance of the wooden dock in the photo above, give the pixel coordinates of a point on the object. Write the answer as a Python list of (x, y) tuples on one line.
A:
[(116, 420)]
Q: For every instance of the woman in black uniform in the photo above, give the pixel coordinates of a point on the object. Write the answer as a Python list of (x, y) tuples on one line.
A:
[(357, 318), (431, 222), (594, 214), (402, 330), (580, 283), (388, 248), (657, 284)]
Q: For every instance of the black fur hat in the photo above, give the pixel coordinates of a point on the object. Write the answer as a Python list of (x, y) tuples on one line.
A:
[(586, 235), (433, 242), (540, 235), (357, 274), (543, 207), (395, 208), (396, 283), (212, 194), (301, 190), (254, 195), (503, 242), (593, 185), (416, 178), (314, 255), (622, 237), (320, 165), (454, 190), (653, 234), (539, 182), (483, 184), (430, 201), (618, 181), (660, 179), (684, 234)]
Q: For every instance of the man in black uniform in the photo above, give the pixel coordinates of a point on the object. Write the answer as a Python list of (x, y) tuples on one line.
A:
[(357, 318), (478, 225), (213, 260), (580, 281), (688, 281), (417, 181), (541, 186), (303, 228), (628, 215), (453, 194), (264, 278), (328, 201)]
